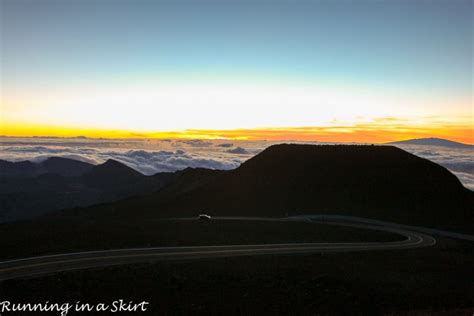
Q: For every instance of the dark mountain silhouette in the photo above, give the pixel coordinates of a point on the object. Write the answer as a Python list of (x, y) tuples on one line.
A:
[(433, 142), (113, 167), (17, 169), (112, 173), (188, 180), (28, 189), (379, 182), (56, 165), (65, 167)]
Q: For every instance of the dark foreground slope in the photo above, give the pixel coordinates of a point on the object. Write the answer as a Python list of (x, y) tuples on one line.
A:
[(380, 182), (377, 182), (425, 281)]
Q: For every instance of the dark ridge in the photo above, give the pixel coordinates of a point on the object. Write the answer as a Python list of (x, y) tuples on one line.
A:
[(111, 172), (66, 167), (189, 179), (56, 187), (55, 165), (379, 182), (17, 169)]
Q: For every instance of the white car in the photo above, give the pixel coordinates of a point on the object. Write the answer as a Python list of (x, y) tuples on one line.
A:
[(204, 217)]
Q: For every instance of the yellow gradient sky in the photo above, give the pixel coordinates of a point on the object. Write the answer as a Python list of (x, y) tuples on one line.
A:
[(378, 72)]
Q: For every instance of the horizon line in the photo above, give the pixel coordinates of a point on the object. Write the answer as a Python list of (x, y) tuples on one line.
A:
[(303, 134)]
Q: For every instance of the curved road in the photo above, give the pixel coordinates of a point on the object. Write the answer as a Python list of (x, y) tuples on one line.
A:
[(35, 266)]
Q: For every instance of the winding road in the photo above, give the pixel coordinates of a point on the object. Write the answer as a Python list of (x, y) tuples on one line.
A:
[(41, 265)]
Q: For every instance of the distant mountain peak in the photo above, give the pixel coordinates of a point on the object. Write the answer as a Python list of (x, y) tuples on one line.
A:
[(113, 162), (53, 165), (110, 172), (58, 159), (63, 159), (64, 166), (114, 165), (432, 141)]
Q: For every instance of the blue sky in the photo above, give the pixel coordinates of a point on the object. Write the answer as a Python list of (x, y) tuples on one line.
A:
[(426, 44), (410, 48)]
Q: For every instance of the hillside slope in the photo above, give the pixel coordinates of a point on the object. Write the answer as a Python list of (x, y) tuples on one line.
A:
[(64, 183), (380, 182), (55, 165)]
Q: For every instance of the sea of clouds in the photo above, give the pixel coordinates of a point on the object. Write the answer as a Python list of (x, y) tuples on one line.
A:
[(147, 156), (150, 156)]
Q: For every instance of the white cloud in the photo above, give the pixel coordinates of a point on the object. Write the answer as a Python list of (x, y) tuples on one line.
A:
[(151, 156), (144, 160)]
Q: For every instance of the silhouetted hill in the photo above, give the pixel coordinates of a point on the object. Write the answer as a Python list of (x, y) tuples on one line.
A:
[(112, 173), (380, 182), (64, 183), (433, 142), (65, 167), (189, 179), (17, 169), (55, 165)]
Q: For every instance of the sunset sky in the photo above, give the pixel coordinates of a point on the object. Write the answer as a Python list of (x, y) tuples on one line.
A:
[(363, 71)]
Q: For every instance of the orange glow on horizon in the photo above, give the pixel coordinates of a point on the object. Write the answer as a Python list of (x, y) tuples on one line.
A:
[(378, 131)]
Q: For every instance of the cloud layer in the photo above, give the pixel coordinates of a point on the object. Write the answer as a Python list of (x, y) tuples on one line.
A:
[(148, 157), (152, 156)]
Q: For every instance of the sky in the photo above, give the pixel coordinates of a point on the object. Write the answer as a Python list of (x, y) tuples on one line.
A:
[(363, 71)]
